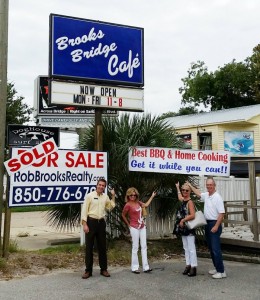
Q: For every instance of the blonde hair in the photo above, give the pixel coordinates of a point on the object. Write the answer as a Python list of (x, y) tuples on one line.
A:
[(129, 192), (186, 187)]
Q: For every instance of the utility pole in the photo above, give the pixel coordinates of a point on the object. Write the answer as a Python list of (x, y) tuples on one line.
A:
[(4, 6), (98, 130)]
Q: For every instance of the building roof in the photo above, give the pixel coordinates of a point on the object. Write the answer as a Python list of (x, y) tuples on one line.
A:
[(237, 114)]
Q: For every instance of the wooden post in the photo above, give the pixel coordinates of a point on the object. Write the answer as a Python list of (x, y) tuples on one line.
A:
[(226, 214), (98, 130), (7, 220), (253, 199), (4, 9), (245, 212), (7, 227)]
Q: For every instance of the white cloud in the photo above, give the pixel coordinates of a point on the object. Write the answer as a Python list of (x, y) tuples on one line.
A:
[(176, 34)]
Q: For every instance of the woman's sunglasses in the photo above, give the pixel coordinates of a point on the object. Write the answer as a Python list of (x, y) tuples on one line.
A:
[(183, 190), (132, 195)]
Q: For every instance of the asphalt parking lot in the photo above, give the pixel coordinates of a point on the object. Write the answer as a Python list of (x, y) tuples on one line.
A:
[(165, 282)]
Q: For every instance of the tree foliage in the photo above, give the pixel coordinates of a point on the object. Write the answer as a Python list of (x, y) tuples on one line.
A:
[(119, 134), (235, 84), (188, 110), (17, 112)]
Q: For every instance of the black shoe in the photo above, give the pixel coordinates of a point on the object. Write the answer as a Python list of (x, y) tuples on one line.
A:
[(136, 272), (193, 272), (148, 271), (186, 270)]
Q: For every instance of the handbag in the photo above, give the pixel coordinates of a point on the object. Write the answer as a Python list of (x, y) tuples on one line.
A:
[(198, 221), (144, 212)]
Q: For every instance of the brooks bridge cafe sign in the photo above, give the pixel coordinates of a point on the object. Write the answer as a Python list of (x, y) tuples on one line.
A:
[(105, 54)]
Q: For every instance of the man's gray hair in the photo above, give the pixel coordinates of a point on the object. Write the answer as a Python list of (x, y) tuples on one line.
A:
[(211, 178)]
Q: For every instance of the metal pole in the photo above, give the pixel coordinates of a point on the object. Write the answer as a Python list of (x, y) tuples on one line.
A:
[(4, 5)]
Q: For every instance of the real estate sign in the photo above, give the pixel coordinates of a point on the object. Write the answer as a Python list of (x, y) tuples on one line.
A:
[(62, 177)]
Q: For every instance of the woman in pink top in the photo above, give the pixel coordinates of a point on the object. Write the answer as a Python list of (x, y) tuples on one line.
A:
[(132, 216)]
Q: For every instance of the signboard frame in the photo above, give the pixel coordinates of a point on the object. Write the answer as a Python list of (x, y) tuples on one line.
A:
[(60, 178), (96, 96), (95, 51), (30, 135), (41, 102), (179, 161)]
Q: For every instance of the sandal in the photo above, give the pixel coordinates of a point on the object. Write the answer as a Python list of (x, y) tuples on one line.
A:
[(148, 271)]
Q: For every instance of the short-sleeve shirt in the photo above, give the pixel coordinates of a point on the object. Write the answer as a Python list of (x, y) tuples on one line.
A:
[(95, 206), (135, 215), (213, 206)]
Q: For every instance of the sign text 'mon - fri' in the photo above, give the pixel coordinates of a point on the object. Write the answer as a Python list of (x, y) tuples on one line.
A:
[(97, 96)]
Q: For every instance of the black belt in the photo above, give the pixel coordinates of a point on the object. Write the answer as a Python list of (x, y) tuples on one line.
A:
[(208, 221), (94, 219)]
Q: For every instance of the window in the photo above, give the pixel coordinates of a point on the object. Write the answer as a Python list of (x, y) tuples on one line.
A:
[(186, 138), (205, 141)]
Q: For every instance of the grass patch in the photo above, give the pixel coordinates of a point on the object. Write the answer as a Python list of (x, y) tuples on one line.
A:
[(72, 256), (119, 252), (3, 264), (13, 246), (29, 208), (67, 248)]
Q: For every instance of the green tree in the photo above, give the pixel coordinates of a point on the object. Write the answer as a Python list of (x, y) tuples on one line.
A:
[(119, 134), (189, 110), (254, 64), (17, 112), (235, 84)]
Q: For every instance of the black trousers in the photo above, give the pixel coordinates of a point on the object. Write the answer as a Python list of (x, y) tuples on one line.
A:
[(97, 229)]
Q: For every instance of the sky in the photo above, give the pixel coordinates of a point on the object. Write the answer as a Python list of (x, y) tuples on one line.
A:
[(176, 33)]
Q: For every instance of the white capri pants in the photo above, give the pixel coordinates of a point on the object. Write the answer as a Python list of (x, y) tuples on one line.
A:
[(190, 250), (139, 234)]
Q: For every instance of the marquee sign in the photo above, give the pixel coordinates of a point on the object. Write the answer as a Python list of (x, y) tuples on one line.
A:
[(44, 108), (83, 95), (95, 51)]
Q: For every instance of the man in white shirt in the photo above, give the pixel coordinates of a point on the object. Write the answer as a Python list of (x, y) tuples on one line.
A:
[(214, 213)]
